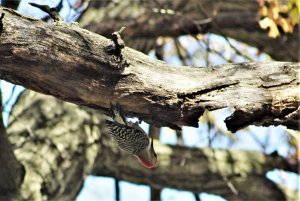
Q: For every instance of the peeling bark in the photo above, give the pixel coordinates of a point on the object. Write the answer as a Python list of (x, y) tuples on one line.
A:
[(60, 143), (43, 57)]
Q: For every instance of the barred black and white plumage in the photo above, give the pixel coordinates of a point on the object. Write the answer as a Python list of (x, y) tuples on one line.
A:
[(129, 139)]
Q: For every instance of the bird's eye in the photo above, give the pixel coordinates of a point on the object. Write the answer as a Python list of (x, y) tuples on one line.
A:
[(155, 155)]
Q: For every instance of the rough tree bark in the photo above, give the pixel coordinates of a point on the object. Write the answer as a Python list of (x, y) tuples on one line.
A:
[(60, 143), (147, 20), (93, 72), (11, 171), (55, 141)]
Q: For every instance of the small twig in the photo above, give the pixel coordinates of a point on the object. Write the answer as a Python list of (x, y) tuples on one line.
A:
[(11, 96), (179, 137), (159, 50), (117, 39), (257, 140), (236, 50), (115, 50), (52, 12), (78, 7), (210, 135), (154, 132), (231, 186), (213, 50), (155, 193), (197, 198), (181, 57), (117, 189), (207, 50)]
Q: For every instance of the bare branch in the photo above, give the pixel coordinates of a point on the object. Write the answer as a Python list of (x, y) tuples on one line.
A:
[(52, 12), (234, 19)]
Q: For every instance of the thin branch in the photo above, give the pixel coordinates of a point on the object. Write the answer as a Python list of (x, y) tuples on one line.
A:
[(154, 133), (257, 140), (197, 198), (11, 96), (207, 50), (179, 137), (117, 189), (179, 53), (236, 50), (159, 50), (155, 194), (213, 50), (52, 12)]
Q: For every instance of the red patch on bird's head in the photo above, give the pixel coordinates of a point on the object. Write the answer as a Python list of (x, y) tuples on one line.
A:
[(147, 164)]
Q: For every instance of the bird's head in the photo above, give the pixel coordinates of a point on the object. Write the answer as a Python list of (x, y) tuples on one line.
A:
[(148, 157)]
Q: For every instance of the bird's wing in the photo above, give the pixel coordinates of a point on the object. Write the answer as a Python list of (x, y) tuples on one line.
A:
[(129, 139)]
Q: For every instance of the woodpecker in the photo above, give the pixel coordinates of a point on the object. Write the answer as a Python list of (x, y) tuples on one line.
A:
[(131, 138)]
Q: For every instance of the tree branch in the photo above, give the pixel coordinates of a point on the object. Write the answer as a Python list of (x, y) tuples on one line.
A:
[(14, 4), (11, 170), (235, 19), (78, 66)]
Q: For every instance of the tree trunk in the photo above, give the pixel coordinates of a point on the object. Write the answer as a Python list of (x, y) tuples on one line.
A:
[(94, 72), (55, 141), (11, 171)]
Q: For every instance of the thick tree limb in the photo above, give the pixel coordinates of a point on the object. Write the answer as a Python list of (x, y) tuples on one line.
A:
[(14, 4), (83, 68), (145, 21), (56, 143), (11, 170), (59, 143)]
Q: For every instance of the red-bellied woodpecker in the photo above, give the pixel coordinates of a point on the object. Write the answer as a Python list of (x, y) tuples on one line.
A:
[(131, 138)]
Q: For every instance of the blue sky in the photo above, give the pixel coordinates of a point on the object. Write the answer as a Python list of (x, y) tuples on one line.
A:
[(102, 188)]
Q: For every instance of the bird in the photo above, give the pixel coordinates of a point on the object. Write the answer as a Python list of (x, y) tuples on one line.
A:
[(131, 138)]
